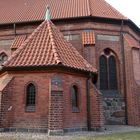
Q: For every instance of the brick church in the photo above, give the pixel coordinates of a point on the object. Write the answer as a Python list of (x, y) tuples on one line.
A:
[(72, 66)]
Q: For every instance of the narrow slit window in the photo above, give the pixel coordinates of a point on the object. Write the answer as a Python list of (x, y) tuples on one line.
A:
[(74, 98), (30, 97)]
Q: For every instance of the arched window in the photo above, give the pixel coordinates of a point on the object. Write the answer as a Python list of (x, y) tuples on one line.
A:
[(30, 95), (108, 71), (74, 97), (3, 58)]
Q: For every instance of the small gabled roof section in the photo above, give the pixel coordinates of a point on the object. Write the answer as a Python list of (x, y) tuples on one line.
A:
[(18, 41), (46, 46), (4, 81), (88, 38)]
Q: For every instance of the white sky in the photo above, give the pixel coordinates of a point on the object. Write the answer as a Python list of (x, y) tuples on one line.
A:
[(129, 8)]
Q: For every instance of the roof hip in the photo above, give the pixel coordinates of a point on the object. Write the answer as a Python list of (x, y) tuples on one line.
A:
[(54, 48), (89, 8)]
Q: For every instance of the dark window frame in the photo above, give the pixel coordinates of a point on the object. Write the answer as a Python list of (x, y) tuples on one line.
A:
[(111, 76), (30, 99), (74, 90)]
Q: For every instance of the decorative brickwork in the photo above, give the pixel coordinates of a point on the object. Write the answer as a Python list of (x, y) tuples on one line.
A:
[(55, 125), (55, 120)]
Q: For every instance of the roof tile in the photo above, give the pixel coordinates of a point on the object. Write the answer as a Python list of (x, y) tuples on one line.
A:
[(100, 8), (18, 41), (46, 46), (34, 10), (88, 38)]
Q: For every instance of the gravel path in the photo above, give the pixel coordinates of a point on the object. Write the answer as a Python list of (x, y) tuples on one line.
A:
[(68, 136)]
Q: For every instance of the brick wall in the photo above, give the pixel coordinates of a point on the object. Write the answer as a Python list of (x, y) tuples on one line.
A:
[(37, 119), (47, 103), (6, 108), (96, 108), (75, 119), (133, 89), (92, 54), (55, 122)]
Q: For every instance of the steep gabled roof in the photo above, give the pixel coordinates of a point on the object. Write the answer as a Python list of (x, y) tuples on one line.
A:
[(46, 47), (18, 41), (34, 10)]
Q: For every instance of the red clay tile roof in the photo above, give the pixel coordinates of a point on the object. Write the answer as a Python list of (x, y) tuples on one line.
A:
[(100, 8), (12, 11), (88, 38), (18, 41), (131, 41), (46, 46)]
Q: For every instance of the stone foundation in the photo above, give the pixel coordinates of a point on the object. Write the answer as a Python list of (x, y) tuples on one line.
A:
[(114, 109)]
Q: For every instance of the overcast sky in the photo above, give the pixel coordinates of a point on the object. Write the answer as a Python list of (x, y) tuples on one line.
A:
[(129, 8)]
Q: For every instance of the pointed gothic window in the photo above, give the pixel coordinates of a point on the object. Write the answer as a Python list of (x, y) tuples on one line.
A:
[(30, 97), (108, 71)]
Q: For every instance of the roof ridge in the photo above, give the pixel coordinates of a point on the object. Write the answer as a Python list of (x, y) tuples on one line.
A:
[(16, 53), (54, 47), (89, 8)]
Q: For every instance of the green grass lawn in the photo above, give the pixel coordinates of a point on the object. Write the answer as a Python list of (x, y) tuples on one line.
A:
[(120, 136)]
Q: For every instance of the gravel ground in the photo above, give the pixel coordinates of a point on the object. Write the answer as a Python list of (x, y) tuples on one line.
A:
[(68, 136)]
